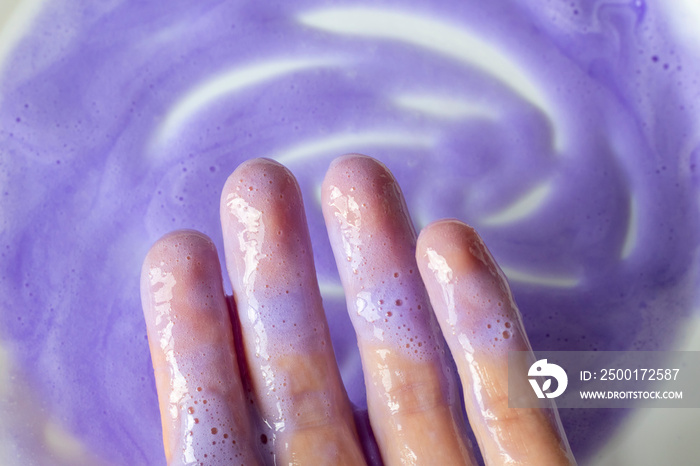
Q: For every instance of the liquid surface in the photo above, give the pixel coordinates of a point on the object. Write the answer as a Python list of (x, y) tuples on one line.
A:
[(565, 132)]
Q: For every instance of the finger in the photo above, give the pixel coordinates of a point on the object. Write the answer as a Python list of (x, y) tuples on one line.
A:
[(202, 403), (481, 323), (411, 394), (287, 343)]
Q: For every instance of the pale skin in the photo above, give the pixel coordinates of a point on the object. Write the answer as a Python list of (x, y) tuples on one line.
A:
[(228, 369)]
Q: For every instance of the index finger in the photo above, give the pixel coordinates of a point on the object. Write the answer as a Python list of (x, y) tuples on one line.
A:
[(481, 324)]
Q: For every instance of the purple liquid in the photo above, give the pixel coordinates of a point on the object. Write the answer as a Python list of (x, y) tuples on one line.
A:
[(94, 170)]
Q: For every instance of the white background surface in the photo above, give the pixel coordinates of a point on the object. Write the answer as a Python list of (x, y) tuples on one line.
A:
[(648, 437)]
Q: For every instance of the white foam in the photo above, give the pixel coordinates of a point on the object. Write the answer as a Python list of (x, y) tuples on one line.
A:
[(19, 21), (524, 276), (453, 41), (338, 144), (631, 235), (521, 208), (444, 107), (228, 82), (331, 290)]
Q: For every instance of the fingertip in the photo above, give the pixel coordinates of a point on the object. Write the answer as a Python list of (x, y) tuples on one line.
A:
[(170, 248), (186, 257), (260, 181), (447, 230), (255, 167), (175, 238), (455, 241), (361, 171), (351, 158)]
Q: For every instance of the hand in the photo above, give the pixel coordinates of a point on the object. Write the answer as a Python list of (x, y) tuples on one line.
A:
[(257, 381)]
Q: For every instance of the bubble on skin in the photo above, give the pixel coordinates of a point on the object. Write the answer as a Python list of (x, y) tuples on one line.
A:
[(377, 261), (198, 443), (269, 298), (192, 363)]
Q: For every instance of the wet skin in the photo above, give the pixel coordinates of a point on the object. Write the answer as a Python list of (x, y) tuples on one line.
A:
[(265, 363)]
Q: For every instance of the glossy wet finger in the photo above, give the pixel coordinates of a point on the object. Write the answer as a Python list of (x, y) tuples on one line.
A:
[(481, 323), (202, 403), (297, 386), (412, 392)]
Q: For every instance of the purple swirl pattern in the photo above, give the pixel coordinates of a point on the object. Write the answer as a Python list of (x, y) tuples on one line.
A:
[(565, 132)]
